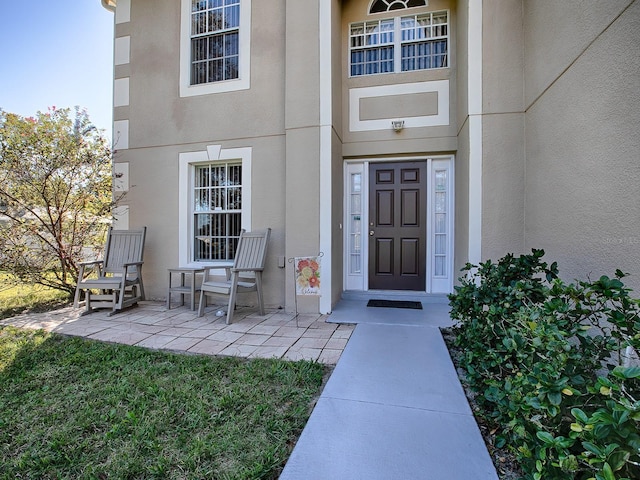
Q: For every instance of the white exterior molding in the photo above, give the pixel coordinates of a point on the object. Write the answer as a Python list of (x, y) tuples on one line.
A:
[(475, 131), (121, 50), (186, 161), (441, 117)]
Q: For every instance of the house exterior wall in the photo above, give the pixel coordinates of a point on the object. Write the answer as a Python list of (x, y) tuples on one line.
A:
[(582, 99), (162, 125), (385, 141), (502, 128), (541, 103)]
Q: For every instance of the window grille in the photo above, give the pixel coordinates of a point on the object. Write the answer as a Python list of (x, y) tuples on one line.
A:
[(422, 40), (380, 6), (215, 28), (217, 211)]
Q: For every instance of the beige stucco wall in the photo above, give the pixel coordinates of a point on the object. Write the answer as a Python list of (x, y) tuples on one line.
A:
[(163, 125), (503, 158), (582, 144)]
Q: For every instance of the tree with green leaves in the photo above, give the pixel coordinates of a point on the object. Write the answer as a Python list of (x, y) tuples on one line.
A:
[(55, 195)]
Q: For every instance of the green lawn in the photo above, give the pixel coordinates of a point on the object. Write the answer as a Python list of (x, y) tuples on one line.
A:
[(17, 298), (75, 408)]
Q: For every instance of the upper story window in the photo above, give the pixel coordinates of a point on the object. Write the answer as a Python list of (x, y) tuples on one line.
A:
[(215, 45), (380, 6), (400, 44), (215, 26)]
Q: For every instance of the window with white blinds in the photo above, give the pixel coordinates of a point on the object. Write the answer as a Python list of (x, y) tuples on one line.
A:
[(217, 208), (400, 44), (215, 26)]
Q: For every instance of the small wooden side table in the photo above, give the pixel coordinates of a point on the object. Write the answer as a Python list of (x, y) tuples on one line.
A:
[(186, 286)]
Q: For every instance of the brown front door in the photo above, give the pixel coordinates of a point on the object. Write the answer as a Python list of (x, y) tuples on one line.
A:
[(397, 226)]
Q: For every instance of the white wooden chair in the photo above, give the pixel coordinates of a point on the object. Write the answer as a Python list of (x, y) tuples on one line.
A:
[(249, 260), (117, 278)]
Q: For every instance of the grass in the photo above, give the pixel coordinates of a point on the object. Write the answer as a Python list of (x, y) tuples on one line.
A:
[(16, 297), (76, 408)]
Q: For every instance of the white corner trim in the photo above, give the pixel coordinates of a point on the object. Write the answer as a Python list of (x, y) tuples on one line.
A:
[(325, 152), (121, 177), (441, 87), (243, 82), (121, 217), (185, 183), (123, 11), (122, 50), (121, 92), (475, 131), (121, 135)]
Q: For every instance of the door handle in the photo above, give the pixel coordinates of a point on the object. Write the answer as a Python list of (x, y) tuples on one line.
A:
[(371, 232)]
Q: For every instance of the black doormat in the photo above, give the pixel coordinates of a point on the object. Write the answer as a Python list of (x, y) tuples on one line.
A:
[(395, 304)]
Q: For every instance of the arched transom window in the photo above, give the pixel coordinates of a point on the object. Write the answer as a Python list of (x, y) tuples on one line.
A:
[(380, 6)]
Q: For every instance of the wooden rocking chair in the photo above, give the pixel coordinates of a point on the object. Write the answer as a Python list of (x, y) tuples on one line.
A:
[(249, 259), (117, 277)]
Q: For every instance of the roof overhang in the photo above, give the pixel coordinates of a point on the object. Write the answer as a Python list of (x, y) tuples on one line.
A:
[(109, 5)]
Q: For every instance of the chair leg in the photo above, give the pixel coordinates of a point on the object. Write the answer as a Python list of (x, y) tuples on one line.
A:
[(201, 304), (232, 298), (259, 291)]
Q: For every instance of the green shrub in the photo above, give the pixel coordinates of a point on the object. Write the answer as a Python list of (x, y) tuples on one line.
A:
[(535, 350)]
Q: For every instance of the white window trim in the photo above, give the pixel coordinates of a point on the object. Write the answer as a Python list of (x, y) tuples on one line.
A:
[(398, 43), (243, 82), (186, 179)]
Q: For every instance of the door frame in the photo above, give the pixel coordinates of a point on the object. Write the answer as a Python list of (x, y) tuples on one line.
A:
[(356, 275)]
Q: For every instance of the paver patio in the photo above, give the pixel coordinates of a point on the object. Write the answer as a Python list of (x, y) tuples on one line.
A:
[(151, 325)]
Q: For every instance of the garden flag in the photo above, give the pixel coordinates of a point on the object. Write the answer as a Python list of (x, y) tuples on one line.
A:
[(307, 275)]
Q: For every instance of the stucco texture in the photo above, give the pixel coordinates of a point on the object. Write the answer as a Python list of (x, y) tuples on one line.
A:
[(582, 144)]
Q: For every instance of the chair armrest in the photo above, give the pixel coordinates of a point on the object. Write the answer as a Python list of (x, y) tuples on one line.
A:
[(93, 262), (129, 264), (207, 271)]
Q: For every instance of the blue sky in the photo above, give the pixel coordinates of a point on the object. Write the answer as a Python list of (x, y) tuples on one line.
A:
[(57, 53)]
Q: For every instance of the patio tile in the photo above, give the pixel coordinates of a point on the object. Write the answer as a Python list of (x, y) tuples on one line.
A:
[(343, 331), (263, 329), (140, 327), (235, 350), (225, 336), (310, 343), (268, 352), (241, 326), (317, 333), (278, 319), (303, 354), (126, 337), (201, 332), (182, 344), (292, 332), (280, 342), (156, 341), (322, 325), (330, 356), (336, 343), (177, 331), (209, 347), (77, 329), (305, 320), (251, 339)]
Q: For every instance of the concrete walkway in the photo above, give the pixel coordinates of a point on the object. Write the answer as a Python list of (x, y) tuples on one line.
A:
[(393, 407)]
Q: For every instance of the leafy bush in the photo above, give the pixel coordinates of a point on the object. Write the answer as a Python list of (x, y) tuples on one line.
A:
[(544, 358)]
